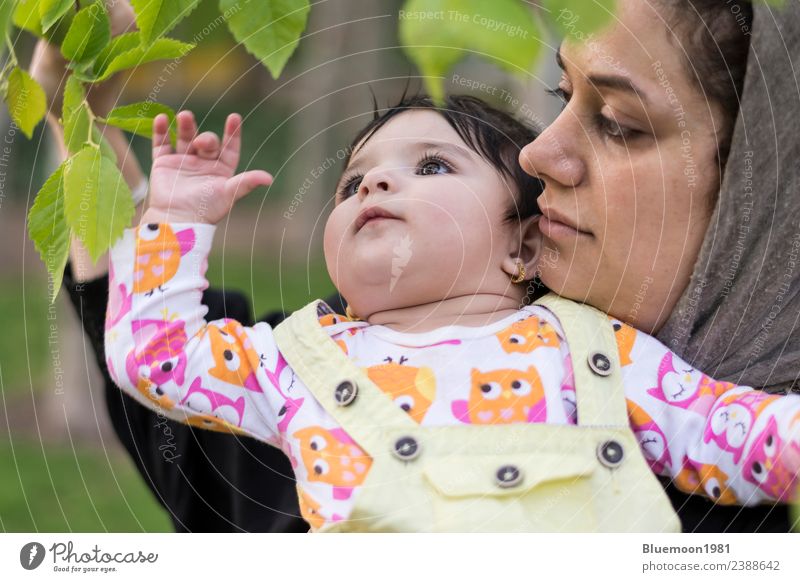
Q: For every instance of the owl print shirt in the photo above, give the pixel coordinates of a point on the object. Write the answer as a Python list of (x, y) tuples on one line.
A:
[(730, 443)]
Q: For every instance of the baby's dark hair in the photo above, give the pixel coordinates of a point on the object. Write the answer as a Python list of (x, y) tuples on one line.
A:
[(491, 133)]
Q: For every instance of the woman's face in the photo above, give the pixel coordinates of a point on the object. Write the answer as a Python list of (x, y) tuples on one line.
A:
[(630, 171)]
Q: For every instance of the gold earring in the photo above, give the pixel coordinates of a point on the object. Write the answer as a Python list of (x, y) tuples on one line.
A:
[(349, 313), (519, 277)]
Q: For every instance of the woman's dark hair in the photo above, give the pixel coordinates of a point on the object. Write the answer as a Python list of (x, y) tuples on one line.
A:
[(715, 38), (491, 133)]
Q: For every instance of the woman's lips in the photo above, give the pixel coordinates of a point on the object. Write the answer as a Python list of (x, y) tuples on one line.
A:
[(553, 225)]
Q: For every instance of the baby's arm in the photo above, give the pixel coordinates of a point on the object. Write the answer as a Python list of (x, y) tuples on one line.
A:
[(218, 375), (158, 346), (731, 443)]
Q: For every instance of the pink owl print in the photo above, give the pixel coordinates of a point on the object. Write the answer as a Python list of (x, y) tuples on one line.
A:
[(162, 359), (290, 405), (772, 465), (686, 387), (651, 438), (213, 403), (119, 300), (568, 395), (732, 419)]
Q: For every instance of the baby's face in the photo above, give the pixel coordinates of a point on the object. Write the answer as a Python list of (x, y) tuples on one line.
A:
[(442, 234)]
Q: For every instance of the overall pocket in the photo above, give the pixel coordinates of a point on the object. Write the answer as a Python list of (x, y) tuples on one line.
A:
[(523, 492)]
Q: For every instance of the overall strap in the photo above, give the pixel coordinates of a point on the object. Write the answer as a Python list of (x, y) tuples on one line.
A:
[(325, 369), (595, 361)]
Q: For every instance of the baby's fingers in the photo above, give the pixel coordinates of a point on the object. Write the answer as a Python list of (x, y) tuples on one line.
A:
[(232, 141), (242, 184), (205, 145), (161, 144), (187, 130)]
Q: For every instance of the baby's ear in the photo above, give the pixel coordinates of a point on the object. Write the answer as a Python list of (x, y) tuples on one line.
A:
[(528, 245)]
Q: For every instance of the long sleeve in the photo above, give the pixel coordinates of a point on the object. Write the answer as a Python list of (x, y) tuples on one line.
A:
[(731, 443), (206, 481), (160, 350)]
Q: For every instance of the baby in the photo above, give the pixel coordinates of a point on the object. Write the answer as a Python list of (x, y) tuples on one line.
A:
[(442, 400)]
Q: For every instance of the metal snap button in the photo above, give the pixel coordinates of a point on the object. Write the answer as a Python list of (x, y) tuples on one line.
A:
[(345, 393), (406, 448), (508, 476), (610, 454), (600, 364)]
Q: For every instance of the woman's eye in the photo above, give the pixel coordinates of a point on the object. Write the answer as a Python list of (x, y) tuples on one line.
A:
[(559, 94), (612, 129), (432, 167)]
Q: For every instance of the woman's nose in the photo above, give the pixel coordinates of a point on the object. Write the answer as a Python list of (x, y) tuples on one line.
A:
[(555, 154), (376, 180)]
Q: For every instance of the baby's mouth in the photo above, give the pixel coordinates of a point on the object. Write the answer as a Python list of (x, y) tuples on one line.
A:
[(371, 215)]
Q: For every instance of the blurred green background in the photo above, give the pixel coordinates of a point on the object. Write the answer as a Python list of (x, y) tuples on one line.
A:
[(62, 466)]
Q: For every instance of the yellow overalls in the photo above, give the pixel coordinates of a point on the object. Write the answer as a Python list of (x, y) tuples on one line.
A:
[(514, 477)]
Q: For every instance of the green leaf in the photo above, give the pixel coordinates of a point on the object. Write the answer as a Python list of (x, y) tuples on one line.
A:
[(77, 127), (97, 201), (88, 34), (579, 18), (105, 147), (26, 101), (76, 116), (270, 30), (26, 16), (74, 95), (156, 18), (48, 229), (6, 13), (51, 10), (138, 118), (163, 48), (118, 45), (437, 34)]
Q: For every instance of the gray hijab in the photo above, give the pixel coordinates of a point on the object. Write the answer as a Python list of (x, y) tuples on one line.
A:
[(738, 320)]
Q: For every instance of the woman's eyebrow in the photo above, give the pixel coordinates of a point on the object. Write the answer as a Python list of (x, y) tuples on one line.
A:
[(613, 82)]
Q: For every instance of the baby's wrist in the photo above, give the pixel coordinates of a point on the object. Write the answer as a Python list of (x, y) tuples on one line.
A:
[(157, 216)]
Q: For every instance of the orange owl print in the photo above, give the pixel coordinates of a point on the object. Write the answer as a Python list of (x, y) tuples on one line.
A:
[(332, 457), (327, 317), (412, 389), (310, 510), (235, 358), (626, 337), (503, 397), (158, 254), (526, 335), (651, 438), (707, 479)]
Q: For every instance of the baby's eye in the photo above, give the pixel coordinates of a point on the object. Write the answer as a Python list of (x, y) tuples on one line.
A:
[(350, 187), (430, 166)]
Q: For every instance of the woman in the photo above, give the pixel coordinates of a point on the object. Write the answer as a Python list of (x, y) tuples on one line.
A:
[(633, 212), (633, 206)]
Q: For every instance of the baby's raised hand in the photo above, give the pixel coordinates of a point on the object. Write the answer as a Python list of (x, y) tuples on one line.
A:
[(197, 181)]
